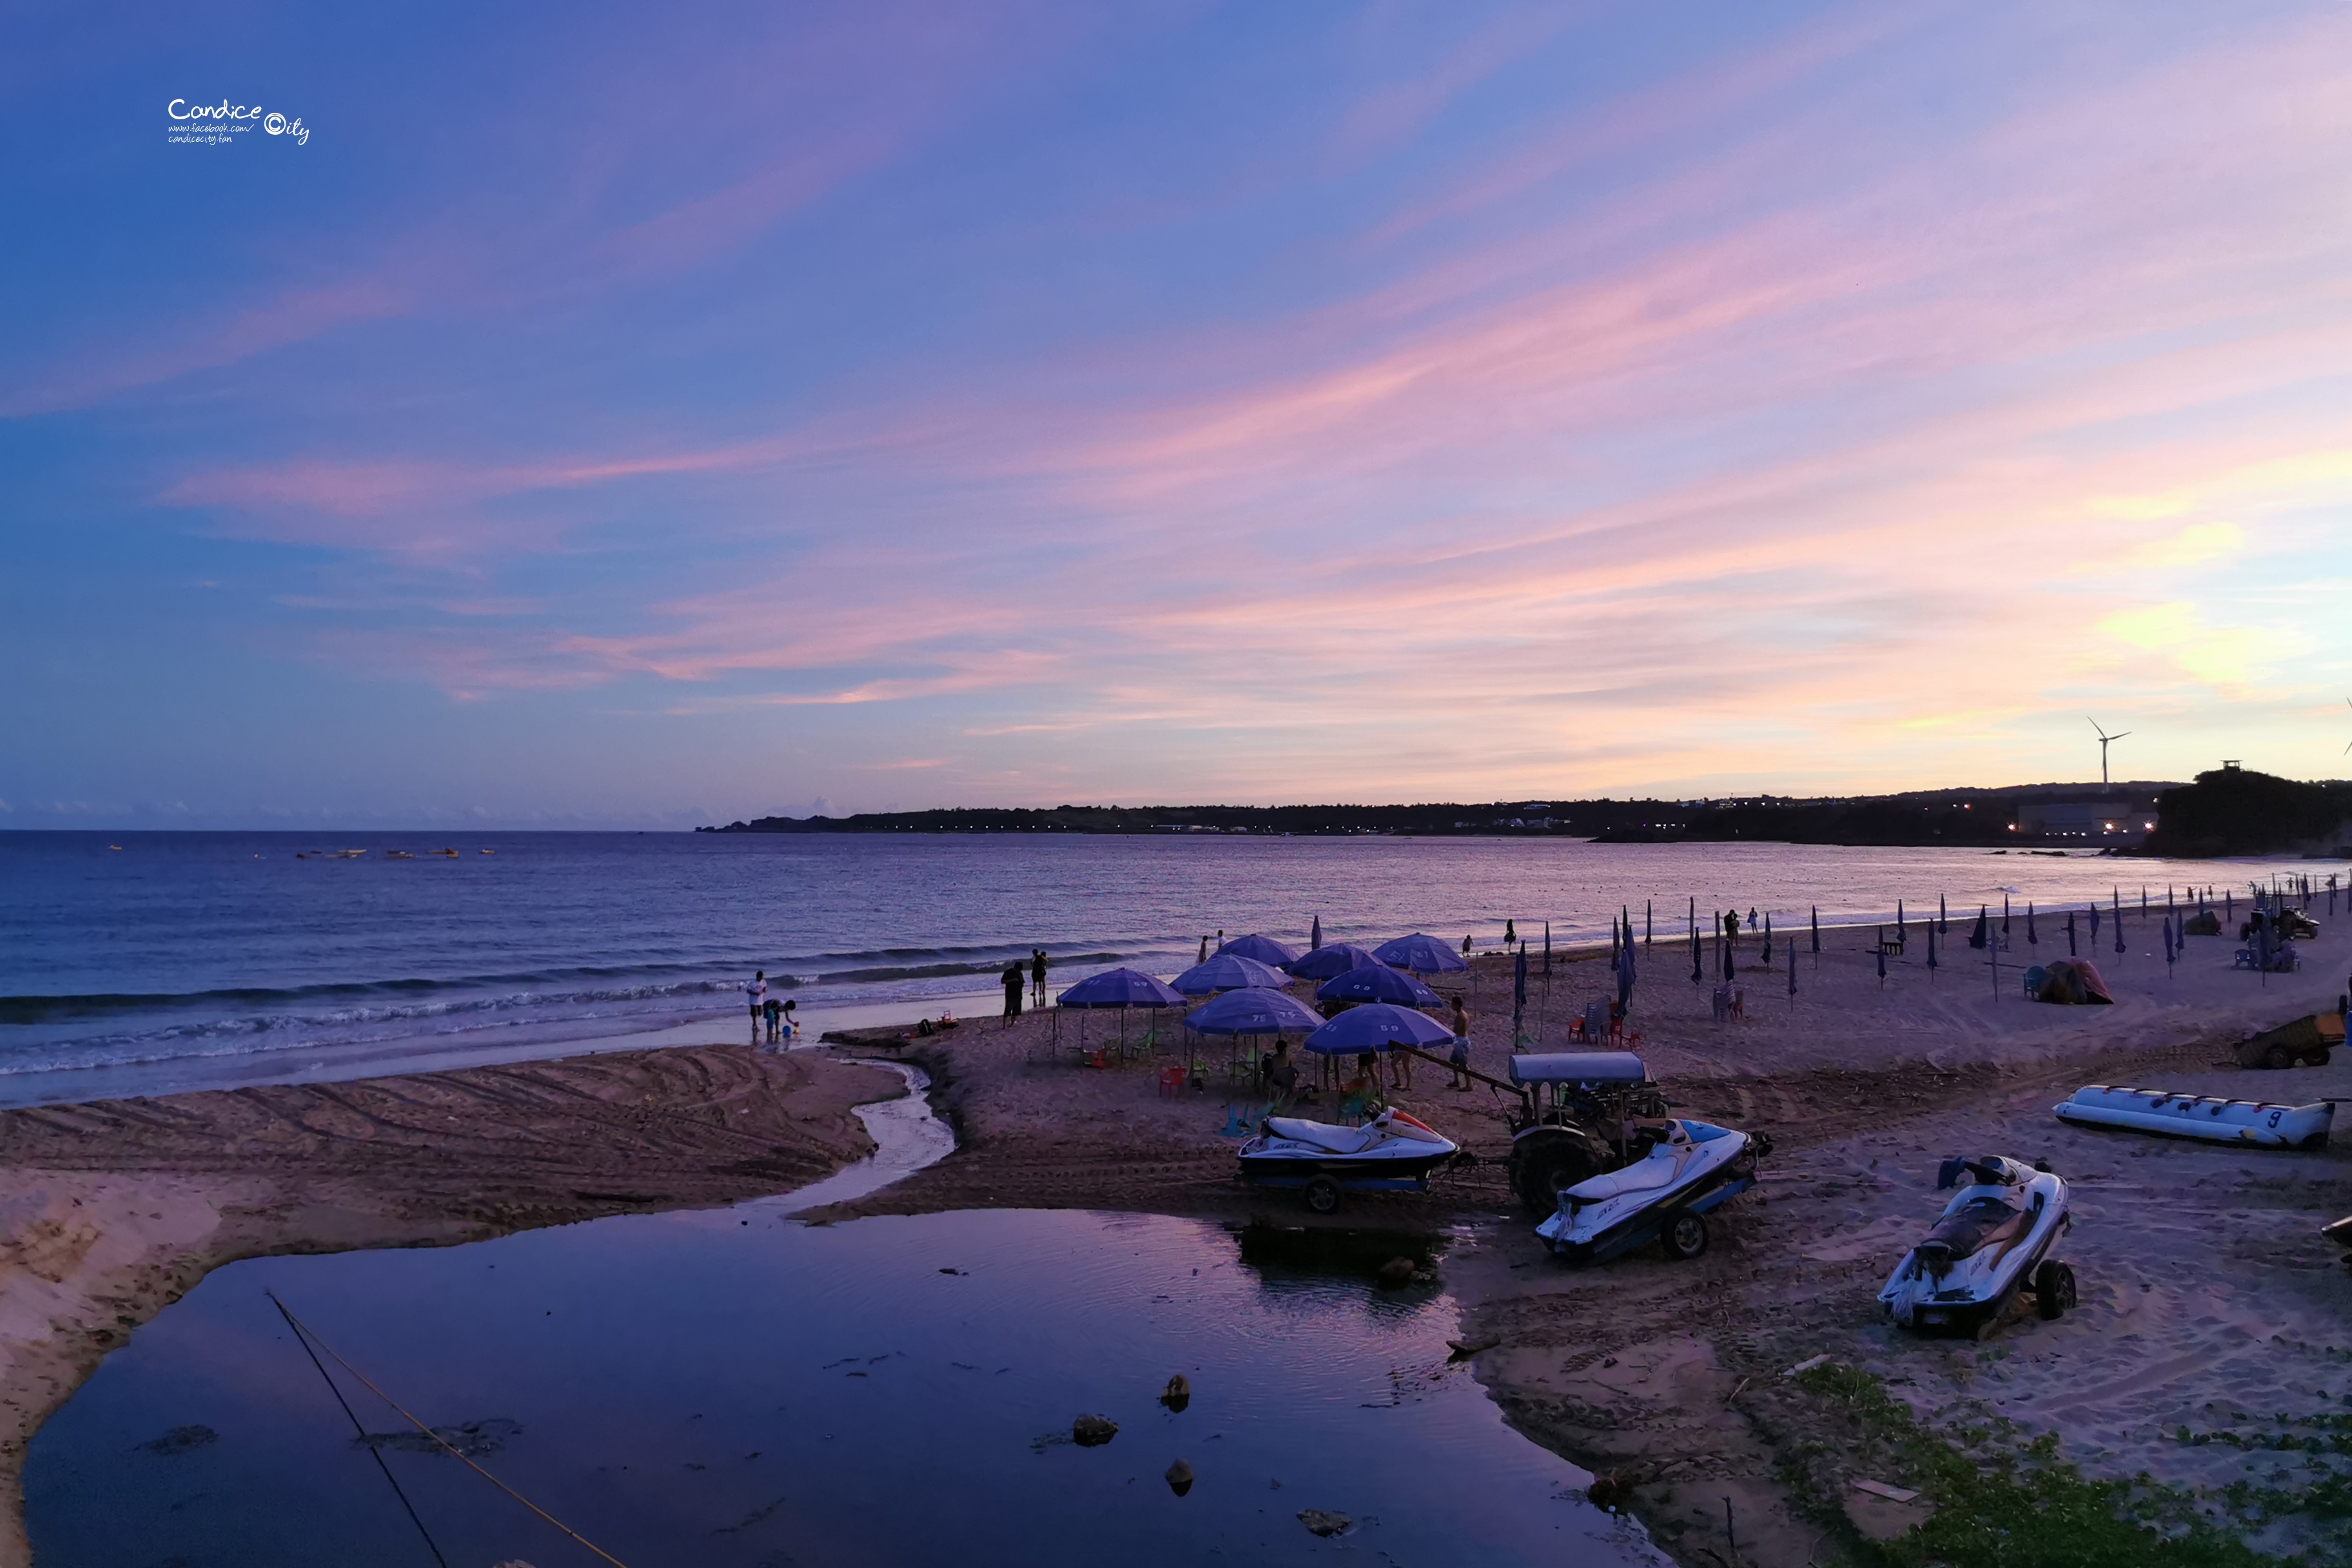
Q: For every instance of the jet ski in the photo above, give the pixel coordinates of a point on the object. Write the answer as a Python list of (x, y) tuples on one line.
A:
[(1392, 1152), (1994, 1239), (1689, 1168)]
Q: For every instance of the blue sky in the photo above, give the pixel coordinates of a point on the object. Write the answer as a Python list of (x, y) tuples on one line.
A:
[(629, 417)]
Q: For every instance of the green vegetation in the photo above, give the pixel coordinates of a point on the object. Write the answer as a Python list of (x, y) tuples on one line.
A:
[(2005, 1501), (2237, 811)]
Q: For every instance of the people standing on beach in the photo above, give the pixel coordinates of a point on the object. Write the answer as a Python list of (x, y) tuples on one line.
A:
[(1511, 933), (1461, 1053), (1037, 977), (1013, 981), (1465, 944), (791, 1025), (1731, 928), (756, 990), (775, 1011), (1401, 1069)]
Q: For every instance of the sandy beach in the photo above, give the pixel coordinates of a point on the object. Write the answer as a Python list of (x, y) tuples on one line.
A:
[(2208, 1298)]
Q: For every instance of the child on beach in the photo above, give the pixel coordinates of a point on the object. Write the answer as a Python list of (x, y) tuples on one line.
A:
[(756, 989), (775, 1012)]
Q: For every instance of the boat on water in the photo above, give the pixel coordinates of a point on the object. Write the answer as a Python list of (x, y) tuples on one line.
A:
[(1690, 1168), (1392, 1152), (1992, 1241), (2209, 1116)]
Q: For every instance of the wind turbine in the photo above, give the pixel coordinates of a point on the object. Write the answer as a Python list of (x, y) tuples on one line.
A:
[(2105, 738)]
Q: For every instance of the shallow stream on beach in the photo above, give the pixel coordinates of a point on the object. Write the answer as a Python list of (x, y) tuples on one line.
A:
[(733, 1387)]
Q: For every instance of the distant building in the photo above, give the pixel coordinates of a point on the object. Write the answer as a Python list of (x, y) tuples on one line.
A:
[(2089, 820)]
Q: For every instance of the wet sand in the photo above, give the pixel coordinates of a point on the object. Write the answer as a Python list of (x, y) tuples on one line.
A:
[(109, 1212), (2206, 1296)]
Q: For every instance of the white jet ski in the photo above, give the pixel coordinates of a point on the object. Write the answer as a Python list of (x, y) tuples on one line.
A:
[(2209, 1116), (1994, 1239), (1691, 1167), (1392, 1150)]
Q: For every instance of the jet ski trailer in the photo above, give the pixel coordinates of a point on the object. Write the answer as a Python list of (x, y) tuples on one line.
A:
[(1391, 1153), (1993, 1240), (2209, 1116), (1664, 1196)]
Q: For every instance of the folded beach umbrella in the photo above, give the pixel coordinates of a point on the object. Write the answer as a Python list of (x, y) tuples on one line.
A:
[(1793, 967), (1519, 980), (1378, 983), (1228, 971), (1376, 1028), (1265, 949), (1315, 934), (1121, 988), (1817, 933), (1625, 972), (1255, 1010), (1337, 959), (1943, 916), (2032, 937), (1420, 954)]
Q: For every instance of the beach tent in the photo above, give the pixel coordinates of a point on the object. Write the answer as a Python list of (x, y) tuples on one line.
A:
[(1255, 1010), (1375, 1027), (1378, 983), (1228, 971), (1420, 954), (1121, 988), (1337, 959), (1265, 949), (2074, 982)]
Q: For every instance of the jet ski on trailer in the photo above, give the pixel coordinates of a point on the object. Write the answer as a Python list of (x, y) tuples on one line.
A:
[(1994, 1239), (1690, 1168), (1392, 1152)]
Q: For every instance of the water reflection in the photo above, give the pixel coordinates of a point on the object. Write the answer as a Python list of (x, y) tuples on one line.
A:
[(734, 1389)]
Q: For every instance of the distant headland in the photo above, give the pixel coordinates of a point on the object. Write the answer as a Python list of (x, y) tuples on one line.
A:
[(2230, 811)]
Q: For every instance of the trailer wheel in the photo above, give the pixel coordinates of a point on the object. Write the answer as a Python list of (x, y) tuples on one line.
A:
[(1684, 1237), (1323, 1196), (2053, 1290), (2278, 1057)]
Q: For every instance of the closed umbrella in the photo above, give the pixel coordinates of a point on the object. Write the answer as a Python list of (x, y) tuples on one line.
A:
[(1767, 936), (2119, 924), (1902, 929), (2032, 937), (1422, 954), (1265, 949), (1943, 916), (1817, 931), (1728, 969), (1882, 963), (2093, 913), (1337, 959), (1519, 998), (1375, 1027), (1228, 971), (2004, 911), (2069, 935), (1983, 932), (1931, 953), (1315, 934), (1626, 973), (1697, 974), (1793, 969), (1380, 984)]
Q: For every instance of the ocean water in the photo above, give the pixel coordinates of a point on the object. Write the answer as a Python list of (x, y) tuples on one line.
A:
[(178, 960)]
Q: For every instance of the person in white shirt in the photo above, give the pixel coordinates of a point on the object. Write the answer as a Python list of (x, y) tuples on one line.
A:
[(756, 989)]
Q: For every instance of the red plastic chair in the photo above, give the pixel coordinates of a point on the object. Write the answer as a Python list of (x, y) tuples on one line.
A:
[(1171, 1082)]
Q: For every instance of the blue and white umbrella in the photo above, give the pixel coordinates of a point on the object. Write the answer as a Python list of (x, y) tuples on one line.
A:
[(1379, 983), (1228, 971), (1121, 988), (1376, 1028), (1255, 1011), (1265, 949), (1422, 954), (1337, 959)]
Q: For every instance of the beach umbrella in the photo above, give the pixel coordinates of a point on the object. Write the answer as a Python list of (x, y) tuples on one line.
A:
[(1698, 972), (1254, 1010), (1943, 916), (1793, 969), (1902, 929), (1649, 922), (1882, 963), (1228, 971), (1931, 952), (1546, 947), (1519, 979), (2032, 937), (2005, 913), (2119, 924), (1817, 931), (1265, 949), (1315, 934), (1767, 936), (1983, 932), (1625, 973), (1376, 1027), (1121, 988), (1337, 959), (1612, 941), (1379, 983), (2069, 935), (1727, 969), (2168, 945), (1422, 954)]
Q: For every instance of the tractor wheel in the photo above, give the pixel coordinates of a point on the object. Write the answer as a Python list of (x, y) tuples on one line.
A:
[(2053, 1290), (1548, 1162), (1684, 1237)]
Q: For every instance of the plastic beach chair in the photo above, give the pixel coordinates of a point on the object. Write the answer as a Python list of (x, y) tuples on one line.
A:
[(1171, 1082)]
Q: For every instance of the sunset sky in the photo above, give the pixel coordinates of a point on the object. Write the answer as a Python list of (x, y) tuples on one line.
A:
[(636, 416)]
